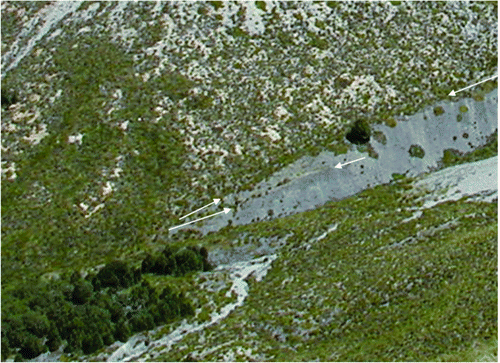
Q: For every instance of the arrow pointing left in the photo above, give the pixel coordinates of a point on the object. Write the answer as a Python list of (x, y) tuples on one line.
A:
[(226, 211), (216, 201), (339, 165), (454, 93)]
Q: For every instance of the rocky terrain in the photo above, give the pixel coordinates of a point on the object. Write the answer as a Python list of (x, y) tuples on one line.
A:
[(120, 117)]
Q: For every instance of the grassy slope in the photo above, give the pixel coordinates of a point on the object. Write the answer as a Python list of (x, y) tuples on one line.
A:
[(417, 302), (44, 230)]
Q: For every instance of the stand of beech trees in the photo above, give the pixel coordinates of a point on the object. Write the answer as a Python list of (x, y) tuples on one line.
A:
[(88, 314)]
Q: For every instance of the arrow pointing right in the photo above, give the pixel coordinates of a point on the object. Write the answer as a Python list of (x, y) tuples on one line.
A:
[(226, 210), (216, 201)]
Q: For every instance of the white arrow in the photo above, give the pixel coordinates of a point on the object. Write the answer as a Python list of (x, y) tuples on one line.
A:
[(453, 93), (216, 201), (226, 210), (339, 165)]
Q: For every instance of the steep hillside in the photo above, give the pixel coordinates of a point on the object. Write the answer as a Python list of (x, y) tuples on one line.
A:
[(118, 118)]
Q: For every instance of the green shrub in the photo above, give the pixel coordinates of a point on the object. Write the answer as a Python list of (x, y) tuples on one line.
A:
[(478, 97), (148, 263), (170, 265), (416, 151), (142, 320), (74, 341), (97, 327), (359, 133), (35, 323), (260, 5), (188, 260), (438, 110), (450, 157), (397, 176), (204, 252), (14, 329), (9, 98), (217, 4), (91, 342), (160, 265), (185, 308), (122, 330), (6, 351), (82, 292), (380, 137), (391, 122), (137, 275), (115, 274), (53, 338), (464, 109), (143, 295), (32, 347)]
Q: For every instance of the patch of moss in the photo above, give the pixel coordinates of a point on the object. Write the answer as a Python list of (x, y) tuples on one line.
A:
[(397, 176), (380, 137), (464, 109), (338, 148), (416, 151), (489, 86), (459, 118), (391, 122), (438, 110), (478, 97), (454, 157), (217, 4), (260, 5)]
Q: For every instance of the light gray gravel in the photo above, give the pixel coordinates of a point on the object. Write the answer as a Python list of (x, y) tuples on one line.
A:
[(315, 181)]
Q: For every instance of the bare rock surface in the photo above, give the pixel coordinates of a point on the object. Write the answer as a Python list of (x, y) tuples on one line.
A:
[(313, 181)]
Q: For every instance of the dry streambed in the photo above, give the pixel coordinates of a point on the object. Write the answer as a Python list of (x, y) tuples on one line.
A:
[(477, 181), (140, 347), (313, 181)]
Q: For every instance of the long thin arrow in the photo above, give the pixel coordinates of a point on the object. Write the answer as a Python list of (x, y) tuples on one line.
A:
[(453, 93), (339, 165), (226, 210), (216, 201)]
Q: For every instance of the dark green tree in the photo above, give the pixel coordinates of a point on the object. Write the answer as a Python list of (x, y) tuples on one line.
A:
[(185, 308), (82, 292), (6, 351), (122, 330), (53, 338), (32, 347), (359, 133), (115, 274), (91, 341), (141, 321), (160, 265), (171, 265), (148, 263), (188, 260)]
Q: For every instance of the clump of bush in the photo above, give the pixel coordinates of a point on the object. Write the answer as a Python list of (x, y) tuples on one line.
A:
[(116, 274), (438, 110), (88, 314), (416, 151), (380, 137), (454, 157), (391, 122), (9, 97), (359, 133), (172, 261)]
